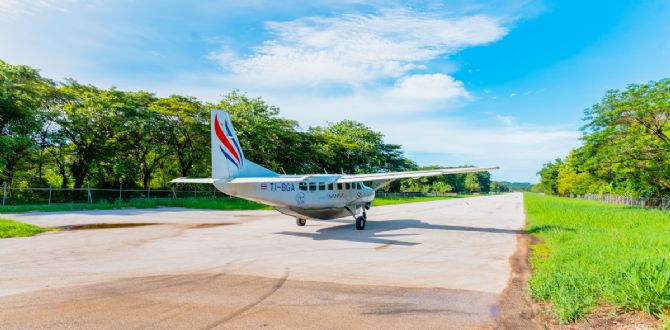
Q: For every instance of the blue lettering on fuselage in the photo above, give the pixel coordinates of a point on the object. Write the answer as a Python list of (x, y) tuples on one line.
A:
[(282, 186), (336, 195)]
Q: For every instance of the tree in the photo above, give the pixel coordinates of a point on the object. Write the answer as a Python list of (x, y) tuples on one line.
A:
[(24, 95), (549, 176), (471, 183)]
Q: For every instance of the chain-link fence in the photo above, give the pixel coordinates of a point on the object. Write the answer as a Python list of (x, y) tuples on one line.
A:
[(49, 195), (650, 202)]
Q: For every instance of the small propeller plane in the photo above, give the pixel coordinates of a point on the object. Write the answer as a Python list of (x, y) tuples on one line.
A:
[(314, 196)]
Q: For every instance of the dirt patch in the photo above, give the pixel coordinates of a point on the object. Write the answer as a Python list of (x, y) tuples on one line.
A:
[(604, 317), (221, 300), (106, 226), (383, 246), (516, 308), (212, 225)]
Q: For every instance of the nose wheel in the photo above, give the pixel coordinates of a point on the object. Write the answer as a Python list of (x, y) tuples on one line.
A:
[(360, 223), (300, 222)]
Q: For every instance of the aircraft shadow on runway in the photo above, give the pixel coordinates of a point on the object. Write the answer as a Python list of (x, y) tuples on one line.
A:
[(373, 232)]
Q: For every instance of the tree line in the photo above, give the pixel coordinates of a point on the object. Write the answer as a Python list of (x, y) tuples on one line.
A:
[(626, 147), (69, 134)]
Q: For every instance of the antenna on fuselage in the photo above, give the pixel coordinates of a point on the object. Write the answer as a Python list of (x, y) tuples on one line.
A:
[(325, 171)]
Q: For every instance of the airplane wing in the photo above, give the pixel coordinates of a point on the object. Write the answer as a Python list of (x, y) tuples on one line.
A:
[(381, 179)]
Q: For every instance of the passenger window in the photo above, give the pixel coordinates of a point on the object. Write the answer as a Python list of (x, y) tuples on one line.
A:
[(302, 186), (339, 186), (347, 186), (312, 186), (322, 186), (330, 186)]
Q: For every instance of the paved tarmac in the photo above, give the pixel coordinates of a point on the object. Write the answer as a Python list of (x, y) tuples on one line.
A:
[(439, 264)]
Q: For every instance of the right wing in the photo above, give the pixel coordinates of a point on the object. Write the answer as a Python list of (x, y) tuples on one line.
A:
[(381, 179)]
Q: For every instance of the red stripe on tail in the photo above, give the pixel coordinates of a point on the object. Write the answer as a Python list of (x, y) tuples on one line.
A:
[(222, 137)]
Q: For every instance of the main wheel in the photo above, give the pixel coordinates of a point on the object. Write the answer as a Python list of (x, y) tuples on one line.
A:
[(360, 223), (300, 222)]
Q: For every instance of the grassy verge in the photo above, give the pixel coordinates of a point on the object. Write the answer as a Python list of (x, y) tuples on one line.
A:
[(195, 203), (390, 200), (11, 228), (594, 254)]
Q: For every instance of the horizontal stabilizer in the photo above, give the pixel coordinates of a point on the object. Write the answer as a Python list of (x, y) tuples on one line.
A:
[(269, 179), (193, 180)]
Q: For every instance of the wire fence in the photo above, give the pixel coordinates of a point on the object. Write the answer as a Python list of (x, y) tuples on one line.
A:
[(49, 195), (415, 194), (648, 202)]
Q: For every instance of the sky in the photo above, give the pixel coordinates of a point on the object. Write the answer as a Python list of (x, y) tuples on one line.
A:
[(454, 82)]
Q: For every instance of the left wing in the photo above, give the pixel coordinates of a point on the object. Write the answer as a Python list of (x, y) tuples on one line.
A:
[(381, 179)]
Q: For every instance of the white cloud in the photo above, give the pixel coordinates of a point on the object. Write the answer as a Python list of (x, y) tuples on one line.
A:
[(15, 8), (507, 120), (429, 87), (357, 49)]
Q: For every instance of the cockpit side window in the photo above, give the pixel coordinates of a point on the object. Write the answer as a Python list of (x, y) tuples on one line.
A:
[(340, 186), (347, 186)]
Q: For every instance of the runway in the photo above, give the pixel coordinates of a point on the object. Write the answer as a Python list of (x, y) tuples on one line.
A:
[(439, 264)]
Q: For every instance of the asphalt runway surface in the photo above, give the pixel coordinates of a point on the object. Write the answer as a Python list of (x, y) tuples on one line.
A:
[(441, 265)]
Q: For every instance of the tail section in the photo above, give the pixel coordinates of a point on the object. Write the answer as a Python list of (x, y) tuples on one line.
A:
[(227, 156)]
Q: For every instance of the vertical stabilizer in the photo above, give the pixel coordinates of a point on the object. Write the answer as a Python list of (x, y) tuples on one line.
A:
[(227, 156)]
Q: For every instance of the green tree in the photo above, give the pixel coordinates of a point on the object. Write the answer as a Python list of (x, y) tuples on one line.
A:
[(24, 97), (472, 183)]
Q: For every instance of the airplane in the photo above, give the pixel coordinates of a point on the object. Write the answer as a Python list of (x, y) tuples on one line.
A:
[(307, 196)]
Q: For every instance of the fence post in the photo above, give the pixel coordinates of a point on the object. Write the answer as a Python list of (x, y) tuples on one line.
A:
[(148, 192), (89, 197), (174, 194), (50, 194), (120, 190), (4, 192)]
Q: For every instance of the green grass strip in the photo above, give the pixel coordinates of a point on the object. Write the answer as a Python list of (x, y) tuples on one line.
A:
[(11, 228), (595, 253), (143, 203)]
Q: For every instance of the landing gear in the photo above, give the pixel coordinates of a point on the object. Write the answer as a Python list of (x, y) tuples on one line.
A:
[(360, 220), (360, 223), (300, 222)]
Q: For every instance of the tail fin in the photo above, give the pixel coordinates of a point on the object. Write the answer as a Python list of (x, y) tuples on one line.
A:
[(227, 157)]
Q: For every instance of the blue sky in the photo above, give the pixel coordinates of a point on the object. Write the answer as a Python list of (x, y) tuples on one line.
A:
[(455, 82)]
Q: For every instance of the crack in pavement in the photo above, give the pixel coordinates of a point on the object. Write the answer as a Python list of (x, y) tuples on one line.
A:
[(246, 308)]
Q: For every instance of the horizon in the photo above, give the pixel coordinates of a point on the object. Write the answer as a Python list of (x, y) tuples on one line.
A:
[(469, 82)]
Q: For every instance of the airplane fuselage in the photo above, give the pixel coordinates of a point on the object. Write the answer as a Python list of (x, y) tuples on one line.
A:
[(318, 197)]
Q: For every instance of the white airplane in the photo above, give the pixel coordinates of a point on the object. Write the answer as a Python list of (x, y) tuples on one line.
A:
[(315, 196)]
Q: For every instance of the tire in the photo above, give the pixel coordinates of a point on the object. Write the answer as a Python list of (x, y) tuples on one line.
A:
[(360, 223), (300, 222)]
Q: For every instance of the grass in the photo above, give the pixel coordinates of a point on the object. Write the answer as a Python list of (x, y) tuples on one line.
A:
[(593, 253), (390, 200), (11, 228), (142, 203)]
